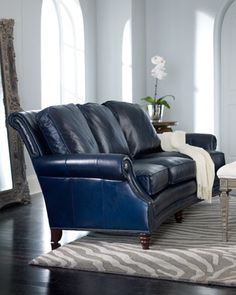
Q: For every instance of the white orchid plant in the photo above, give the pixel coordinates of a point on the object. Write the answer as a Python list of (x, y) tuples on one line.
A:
[(159, 73)]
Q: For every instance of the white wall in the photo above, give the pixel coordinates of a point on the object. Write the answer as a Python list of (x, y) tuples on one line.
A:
[(139, 49), (171, 33), (89, 14), (111, 18)]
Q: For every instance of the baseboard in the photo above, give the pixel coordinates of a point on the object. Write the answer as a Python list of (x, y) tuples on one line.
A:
[(33, 183)]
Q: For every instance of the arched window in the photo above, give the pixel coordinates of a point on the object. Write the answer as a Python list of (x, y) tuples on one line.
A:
[(127, 63), (204, 75), (62, 52)]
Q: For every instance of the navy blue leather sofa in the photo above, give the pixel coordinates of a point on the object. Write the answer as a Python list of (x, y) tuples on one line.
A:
[(101, 168)]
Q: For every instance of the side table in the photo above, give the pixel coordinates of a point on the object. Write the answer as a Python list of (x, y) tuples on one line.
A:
[(164, 126), (227, 176)]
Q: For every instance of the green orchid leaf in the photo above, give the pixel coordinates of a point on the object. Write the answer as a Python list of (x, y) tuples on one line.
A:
[(168, 95), (162, 101), (149, 99), (159, 101), (165, 103)]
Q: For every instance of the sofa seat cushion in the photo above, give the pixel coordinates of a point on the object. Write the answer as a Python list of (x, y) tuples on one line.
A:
[(105, 128), (180, 169), (217, 157), (66, 130), (152, 178), (136, 126)]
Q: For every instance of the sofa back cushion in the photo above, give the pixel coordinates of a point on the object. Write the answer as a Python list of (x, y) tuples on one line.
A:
[(105, 128), (66, 130), (137, 128)]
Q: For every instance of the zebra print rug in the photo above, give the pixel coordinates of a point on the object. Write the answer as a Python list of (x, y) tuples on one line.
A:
[(190, 252)]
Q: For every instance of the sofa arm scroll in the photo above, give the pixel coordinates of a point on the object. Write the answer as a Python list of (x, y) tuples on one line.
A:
[(205, 141), (103, 166)]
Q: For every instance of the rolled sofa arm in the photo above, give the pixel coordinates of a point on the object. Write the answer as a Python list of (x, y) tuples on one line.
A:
[(205, 141), (103, 166)]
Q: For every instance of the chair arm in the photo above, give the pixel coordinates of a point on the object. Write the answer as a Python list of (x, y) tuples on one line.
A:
[(103, 166), (205, 141)]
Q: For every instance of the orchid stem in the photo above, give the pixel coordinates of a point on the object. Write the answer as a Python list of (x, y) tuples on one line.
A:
[(155, 94)]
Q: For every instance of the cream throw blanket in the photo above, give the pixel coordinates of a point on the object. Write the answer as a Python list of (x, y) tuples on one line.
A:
[(175, 141)]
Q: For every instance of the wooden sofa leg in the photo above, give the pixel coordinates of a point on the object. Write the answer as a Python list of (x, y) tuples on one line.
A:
[(145, 240), (179, 216), (56, 235)]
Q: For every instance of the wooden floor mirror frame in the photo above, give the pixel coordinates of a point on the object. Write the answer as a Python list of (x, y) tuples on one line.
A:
[(20, 191)]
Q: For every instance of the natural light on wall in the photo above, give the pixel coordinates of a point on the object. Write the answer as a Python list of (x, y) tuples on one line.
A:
[(204, 74), (62, 52), (127, 63)]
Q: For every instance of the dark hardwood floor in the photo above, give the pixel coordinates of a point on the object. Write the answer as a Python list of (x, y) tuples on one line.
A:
[(24, 234)]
